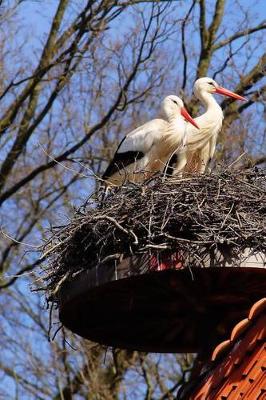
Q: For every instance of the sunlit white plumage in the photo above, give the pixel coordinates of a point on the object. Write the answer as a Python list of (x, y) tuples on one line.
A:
[(201, 143), (146, 150)]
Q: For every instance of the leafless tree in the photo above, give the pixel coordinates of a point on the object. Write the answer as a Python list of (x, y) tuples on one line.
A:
[(69, 92)]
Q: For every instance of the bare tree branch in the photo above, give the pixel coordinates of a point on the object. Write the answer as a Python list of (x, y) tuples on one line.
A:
[(216, 22), (183, 26), (47, 54), (208, 36), (238, 35), (251, 78)]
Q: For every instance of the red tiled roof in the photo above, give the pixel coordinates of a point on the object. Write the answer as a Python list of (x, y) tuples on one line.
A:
[(237, 369)]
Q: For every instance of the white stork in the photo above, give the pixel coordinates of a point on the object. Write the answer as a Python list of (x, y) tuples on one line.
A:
[(146, 150), (201, 143)]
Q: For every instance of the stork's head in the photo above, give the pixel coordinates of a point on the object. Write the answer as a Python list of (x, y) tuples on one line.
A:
[(172, 106), (210, 86)]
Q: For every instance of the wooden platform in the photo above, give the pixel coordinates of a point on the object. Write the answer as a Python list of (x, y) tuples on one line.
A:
[(164, 311)]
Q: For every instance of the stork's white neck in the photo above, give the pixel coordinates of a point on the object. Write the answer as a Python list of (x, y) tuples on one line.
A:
[(177, 125), (172, 117), (208, 101)]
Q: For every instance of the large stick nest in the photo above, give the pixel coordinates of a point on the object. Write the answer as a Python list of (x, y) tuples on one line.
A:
[(222, 211)]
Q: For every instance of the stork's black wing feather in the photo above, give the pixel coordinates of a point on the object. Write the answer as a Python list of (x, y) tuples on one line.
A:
[(121, 161), (135, 145), (170, 166)]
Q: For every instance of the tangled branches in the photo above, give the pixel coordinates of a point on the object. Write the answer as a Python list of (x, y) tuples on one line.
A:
[(219, 213)]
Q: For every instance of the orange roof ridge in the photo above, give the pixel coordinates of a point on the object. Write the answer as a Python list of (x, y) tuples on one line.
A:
[(240, 327), (237, 366), (257, 308)]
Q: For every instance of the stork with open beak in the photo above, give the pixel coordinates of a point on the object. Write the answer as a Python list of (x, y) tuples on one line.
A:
[(146, 150), (201, 143)]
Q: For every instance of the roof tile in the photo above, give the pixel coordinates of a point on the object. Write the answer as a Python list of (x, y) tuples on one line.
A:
[(257, 389), (220, 349), (239, 329), (257, 308), (237, 369)]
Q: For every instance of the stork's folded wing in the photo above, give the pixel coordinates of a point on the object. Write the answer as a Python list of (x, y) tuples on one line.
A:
[(135, 146), (121, 161)]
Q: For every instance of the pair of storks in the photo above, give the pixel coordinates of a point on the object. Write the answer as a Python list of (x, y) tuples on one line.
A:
[(170, 144)]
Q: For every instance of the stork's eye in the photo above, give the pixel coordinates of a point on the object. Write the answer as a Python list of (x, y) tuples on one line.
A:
[(211, 83), (175, 101)]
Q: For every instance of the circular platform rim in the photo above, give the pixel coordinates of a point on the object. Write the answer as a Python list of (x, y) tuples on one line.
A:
[(66, 297)]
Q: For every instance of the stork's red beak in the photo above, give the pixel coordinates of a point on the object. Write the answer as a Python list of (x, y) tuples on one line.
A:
[(188, 117), (228, 93)]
